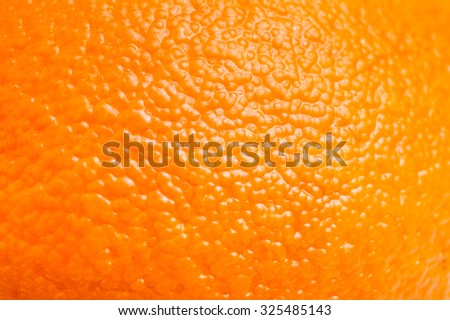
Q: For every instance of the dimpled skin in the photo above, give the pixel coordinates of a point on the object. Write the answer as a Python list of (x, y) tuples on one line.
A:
[(76, 74)]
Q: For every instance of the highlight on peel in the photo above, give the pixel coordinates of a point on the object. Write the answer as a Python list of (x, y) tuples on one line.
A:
[(76, 74)]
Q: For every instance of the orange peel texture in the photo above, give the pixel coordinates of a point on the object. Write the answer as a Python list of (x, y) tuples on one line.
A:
[(76, 74)]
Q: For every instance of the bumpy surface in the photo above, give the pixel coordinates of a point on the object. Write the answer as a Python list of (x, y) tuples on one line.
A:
[(76, 74)]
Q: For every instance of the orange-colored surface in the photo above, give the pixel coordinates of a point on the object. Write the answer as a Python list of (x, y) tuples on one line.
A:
[(75, 74)]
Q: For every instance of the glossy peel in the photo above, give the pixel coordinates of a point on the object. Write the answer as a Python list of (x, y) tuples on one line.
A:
[(76, 74)]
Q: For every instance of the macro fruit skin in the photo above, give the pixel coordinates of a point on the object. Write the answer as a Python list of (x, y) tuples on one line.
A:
[(76, 74)]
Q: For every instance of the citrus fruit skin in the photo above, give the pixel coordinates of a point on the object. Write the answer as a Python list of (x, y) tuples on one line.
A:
[(76, 74)]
